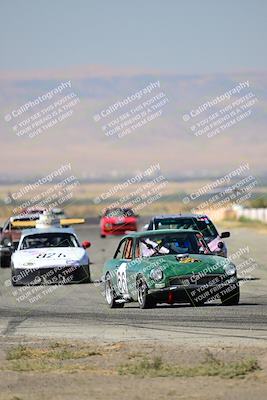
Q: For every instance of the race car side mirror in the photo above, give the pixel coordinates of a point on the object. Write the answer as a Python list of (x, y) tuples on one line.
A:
[(86, 244), (225, 235)]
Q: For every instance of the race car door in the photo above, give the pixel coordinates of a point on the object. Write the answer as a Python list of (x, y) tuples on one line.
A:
[(122, 273)]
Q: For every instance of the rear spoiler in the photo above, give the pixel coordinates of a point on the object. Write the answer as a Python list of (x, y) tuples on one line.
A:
[(32, 224)]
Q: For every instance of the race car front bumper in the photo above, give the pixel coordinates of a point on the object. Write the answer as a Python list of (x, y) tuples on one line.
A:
[(192, 293), (46, 276)]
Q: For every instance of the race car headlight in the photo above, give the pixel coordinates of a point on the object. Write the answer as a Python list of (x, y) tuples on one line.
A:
[(108, 226), (28, 264), (72, 263), (230, 269), (156, 274)]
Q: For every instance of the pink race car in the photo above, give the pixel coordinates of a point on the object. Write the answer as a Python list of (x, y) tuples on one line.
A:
[(202, 223)]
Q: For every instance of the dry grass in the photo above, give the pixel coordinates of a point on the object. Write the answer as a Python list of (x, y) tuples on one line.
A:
[(210, 367), (55, 357), (118, 359), (56, 351)]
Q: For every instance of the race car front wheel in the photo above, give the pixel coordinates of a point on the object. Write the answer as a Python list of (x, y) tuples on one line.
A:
[(144, 299), (110, 294), (87, 272), (13, 279)]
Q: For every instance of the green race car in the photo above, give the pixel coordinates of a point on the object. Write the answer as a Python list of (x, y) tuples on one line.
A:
[(168, 266)]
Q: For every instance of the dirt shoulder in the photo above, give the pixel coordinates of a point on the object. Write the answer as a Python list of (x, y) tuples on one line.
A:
[(43, 369)]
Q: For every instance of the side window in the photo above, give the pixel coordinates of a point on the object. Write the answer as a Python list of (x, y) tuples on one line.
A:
[(128, 249), (120, 249), (137, 250), (151, 226), (201, 244)]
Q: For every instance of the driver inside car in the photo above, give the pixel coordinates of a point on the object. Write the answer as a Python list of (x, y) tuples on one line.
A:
[(149, 248)]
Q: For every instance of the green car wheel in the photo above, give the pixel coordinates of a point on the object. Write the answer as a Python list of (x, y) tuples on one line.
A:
[(110, 294), (144, 299)]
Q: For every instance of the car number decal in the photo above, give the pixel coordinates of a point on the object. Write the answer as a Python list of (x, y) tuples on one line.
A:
[(121, 278), (186, 259), (50, 255)]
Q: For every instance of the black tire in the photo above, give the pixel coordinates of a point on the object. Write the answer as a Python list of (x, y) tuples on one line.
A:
[(88, 277), (144, 299), (5, 262), (110, 294), (232, 298), (13, 281), (103, 236)]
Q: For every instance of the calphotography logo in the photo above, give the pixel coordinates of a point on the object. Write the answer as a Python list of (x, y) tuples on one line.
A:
[(55, 190), (228, 110), (139, 108), (233, 189), (40, 99), (46, 111)]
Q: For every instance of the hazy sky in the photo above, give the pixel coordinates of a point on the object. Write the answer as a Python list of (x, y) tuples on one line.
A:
[(183, 36)]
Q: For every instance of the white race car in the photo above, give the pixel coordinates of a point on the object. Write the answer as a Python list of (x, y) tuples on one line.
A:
[(50, 255)]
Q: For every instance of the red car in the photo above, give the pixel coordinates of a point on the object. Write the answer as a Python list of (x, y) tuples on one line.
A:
[(117, 221)]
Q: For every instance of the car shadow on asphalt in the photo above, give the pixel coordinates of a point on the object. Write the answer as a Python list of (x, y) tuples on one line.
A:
[(164, 306)]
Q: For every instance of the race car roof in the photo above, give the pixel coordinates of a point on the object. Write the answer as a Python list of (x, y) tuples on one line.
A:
[(159, 231), (167, 216), (27, 232)]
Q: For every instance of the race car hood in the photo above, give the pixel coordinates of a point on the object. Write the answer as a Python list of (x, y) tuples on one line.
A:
[(194, 264), (50, 257)]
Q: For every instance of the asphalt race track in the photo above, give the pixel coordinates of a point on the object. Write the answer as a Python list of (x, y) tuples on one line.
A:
[(79, 311)]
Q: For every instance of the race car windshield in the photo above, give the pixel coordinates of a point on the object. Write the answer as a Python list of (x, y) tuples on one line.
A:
[(119, 212), (44, 240), (159, 245), (202, 224)]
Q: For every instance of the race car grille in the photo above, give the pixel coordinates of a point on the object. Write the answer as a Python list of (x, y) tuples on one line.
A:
[(123, 224), (124, 227), (51, 275), (195, 280)]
